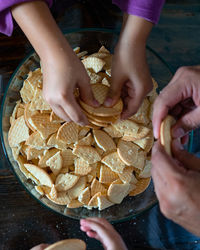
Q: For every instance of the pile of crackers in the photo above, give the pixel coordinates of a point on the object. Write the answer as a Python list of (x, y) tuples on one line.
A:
[(95, 166)]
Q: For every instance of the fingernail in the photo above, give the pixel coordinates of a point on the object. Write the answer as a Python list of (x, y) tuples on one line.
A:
[(155, 133), (177, 144), (178, 133), (95, 103), (108, 102)]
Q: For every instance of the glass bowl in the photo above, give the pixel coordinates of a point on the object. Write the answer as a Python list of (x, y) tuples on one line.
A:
[(90, 40)]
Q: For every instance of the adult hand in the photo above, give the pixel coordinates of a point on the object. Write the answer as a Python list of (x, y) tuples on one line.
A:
[(131, 78), (181, 97), (103, 231), (177, 185)]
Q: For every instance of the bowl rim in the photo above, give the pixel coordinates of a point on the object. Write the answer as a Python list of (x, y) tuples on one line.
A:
[(70, 31)]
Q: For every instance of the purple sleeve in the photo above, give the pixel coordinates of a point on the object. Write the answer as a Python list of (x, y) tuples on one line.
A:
[(147, 9), (6, 20)]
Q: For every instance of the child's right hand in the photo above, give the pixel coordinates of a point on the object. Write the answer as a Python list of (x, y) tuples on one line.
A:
[(62, 69), (62, 73), (102, 230)]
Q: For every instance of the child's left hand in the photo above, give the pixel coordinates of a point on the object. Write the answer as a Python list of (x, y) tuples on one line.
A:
[(102, 230), (131, 78)]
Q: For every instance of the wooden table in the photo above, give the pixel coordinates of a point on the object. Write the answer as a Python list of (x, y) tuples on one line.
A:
[(24, 222)]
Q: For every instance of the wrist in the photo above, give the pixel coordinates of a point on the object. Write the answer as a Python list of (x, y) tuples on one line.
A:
[(135, 29)]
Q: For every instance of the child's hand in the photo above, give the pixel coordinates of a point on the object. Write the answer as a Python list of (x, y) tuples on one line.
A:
[(61, 75), (103, 231), (62, 69), (130, 74)]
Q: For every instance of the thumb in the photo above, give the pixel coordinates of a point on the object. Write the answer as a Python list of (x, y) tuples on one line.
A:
[(188, 160), (187, 122), (114, 92), (86, 94)]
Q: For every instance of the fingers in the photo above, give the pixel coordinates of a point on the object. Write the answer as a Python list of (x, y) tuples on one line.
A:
[(73, 110), (103, 231), (133, 101), (186, 123), (61, 113), (188, 160), (86, 93), (114, 91), (163, 164)]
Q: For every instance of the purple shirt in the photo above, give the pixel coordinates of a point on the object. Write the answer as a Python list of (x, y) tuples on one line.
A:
[(147, 9), (6, 20)]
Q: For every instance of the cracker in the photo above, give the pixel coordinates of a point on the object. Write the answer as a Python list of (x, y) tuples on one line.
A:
[(55, 118), (47, 154), (100, 92), (140, 186), (38, 102), (101, 119), (113, 132), (82, 54), (87, 140), (84, 196), (165, 133), (146, 172), (33, 153), (128, 152), (126, 127), (35, 78), (145, 143), (103, 202), (42, 123), (94, 78), (108, 72), (76, 50), (55, 163), (132, 135), (40, 174), (93, 202), (142, 114), (93, 63), (66, 181), (81, 167), (27, 91), (27, 115), (117, 192), (105, 82), (20, 112), (53, 193), (68, 157), (54, 142), (68, 132), (126, 176), (96, 187), (74, 204), (103, 140), (103, 50), (75, 191), (88, 153), (61, 199), (69, 244), (36, 141), (100, 124), (18, 132), (107, 176), (113, 161), (108, 62), (140, 160), (83, 132)]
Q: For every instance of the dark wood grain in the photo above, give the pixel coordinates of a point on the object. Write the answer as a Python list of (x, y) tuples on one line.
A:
[(23, 221)]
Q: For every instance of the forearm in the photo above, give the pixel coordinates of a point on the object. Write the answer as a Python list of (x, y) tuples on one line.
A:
[(135, 30), (37, 23)]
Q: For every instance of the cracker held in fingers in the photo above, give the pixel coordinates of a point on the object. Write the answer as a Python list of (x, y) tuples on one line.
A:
[(165, 133)]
